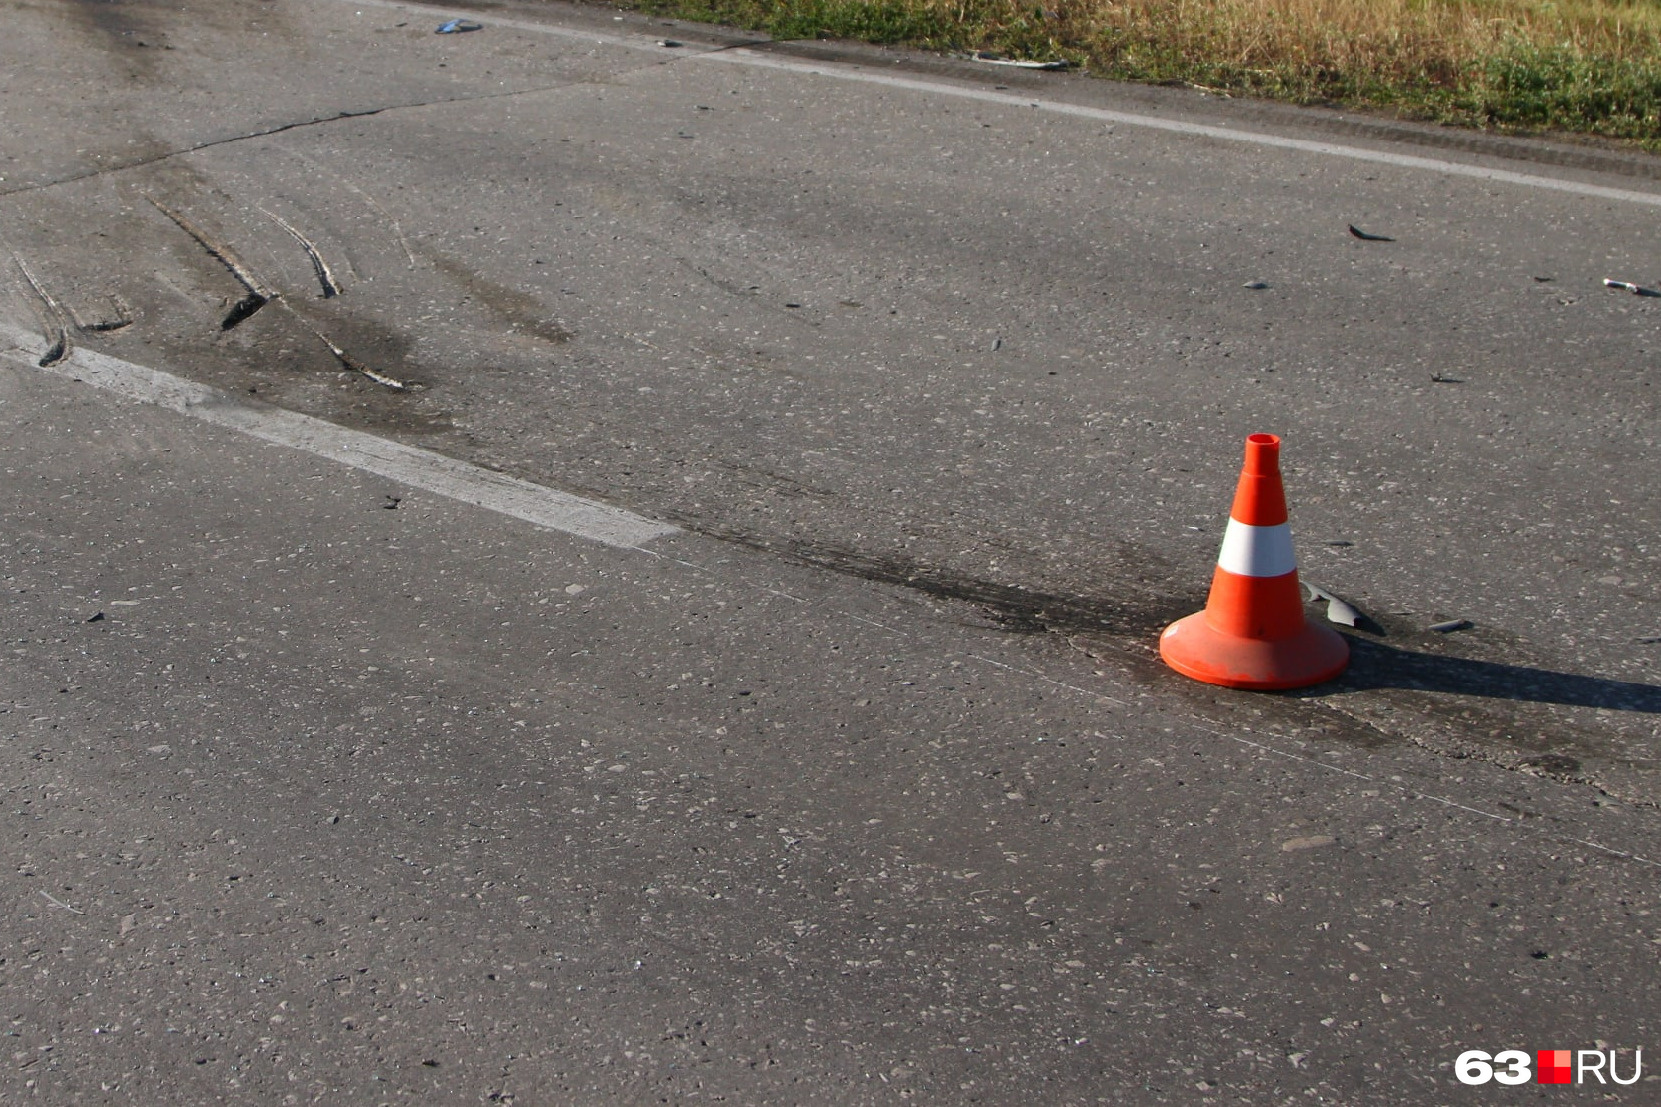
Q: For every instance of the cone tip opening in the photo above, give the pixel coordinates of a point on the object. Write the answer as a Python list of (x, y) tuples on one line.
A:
[(1262, 454)]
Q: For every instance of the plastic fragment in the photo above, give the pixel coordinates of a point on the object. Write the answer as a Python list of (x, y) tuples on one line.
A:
[(1628, 286), (1365, 237), (996, 59), (1452, 625), (1337, 611), (670, 43), (1256, 285), (458, 26)]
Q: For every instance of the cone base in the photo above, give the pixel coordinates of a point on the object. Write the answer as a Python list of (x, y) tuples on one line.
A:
[(1195, 649)]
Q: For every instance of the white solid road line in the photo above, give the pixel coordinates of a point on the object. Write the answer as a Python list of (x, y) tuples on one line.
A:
[(417, 468), (854, 72)]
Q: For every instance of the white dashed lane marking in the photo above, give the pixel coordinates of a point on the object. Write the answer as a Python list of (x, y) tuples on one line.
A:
[(408, 465)]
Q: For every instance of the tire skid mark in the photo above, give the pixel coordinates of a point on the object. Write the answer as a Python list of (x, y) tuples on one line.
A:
[(353, 364), (259, 293), (57, 320), (61, 318), (392, 222), (325, 277)]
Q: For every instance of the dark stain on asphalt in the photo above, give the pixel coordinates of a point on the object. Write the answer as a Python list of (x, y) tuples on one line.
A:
[(522, 312), (1011, 607), (117, 19), (363, 404), (119, 29)]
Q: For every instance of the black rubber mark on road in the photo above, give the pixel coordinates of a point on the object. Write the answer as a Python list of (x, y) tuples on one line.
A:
[(242, 309), (520, 311), (1013, 608)]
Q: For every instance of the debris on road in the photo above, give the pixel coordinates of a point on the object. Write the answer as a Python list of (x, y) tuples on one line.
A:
[(1337, 610), (1256, 285), (670, 43), (1628, 286), (98, 618), (458, 26), (1438, 378), (1365, 237), (1019, 63), (1452, 625)]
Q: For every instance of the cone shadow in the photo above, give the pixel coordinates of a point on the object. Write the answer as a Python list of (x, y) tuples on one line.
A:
[(1374, 665)]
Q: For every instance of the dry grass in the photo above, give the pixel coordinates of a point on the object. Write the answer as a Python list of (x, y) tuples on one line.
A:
[(1584, 65)]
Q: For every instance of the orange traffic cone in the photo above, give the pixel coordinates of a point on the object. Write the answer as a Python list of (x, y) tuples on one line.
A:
[(1252, 633)]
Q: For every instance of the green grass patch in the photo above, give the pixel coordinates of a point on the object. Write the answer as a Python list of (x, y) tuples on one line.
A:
[(1584, 66)]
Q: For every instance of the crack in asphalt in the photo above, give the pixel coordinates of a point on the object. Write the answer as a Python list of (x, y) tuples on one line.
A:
[(363, 113), (284, 128)]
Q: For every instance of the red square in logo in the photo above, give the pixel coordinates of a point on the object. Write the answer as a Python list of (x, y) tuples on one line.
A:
[(1553, 1067)]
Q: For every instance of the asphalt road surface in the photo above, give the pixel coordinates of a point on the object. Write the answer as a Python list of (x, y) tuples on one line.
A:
[(596, 561)]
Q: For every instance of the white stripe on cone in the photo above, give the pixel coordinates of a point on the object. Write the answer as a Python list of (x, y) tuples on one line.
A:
[(1250, 551)]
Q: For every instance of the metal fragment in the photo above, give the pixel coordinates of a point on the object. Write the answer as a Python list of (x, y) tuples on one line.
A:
[(1628, 286)]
